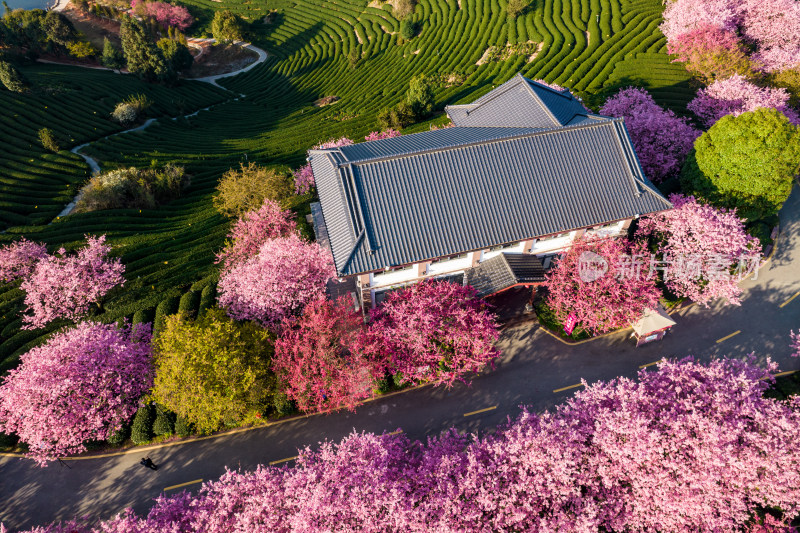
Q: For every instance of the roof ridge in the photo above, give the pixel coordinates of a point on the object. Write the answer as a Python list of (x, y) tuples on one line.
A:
[(528, 85), (474, 105), (358, 162)]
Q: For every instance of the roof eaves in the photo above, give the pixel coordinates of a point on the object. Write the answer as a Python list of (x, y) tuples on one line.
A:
[(640, 184)]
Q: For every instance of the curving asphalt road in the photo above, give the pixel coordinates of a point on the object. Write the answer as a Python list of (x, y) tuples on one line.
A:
[(533, 368)]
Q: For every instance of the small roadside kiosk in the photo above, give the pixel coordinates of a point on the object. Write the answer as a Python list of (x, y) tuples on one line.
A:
[(652, 326)]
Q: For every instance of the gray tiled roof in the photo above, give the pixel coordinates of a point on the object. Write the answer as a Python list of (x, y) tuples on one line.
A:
[(400, 209), (524, 161), (518, 102), (504, 271)]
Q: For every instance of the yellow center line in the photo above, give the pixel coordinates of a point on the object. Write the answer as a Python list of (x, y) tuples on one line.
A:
[(729, 336), (784, 304), (282, 460), (183, 484), (570, 387), (480, 411), (395, 432), (779, 374), (650, 364)]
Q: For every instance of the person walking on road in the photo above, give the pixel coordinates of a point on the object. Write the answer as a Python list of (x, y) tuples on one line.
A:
[(148, 463)]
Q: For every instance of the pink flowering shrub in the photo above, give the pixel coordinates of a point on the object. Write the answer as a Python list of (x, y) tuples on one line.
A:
[(304, 176), (599, 281), (287, 273), (379, 135), (65, 286), (662, 140), (737, 95), (252, 230), (318, 361), (688, 447), (164, 13), (433, 331), (795, 343), (711, 53), (17, 260), (82, 384), (701, 245)]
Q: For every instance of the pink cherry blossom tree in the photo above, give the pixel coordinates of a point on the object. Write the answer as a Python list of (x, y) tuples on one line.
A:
[(433, 331), (774, 26), (662, 140), (702, 245), (17, 260), (318, 361), (687, 447), (737, 95), (65, 286), (82, 384), (385, 134), (795, 343), (287, 273), (164, 13), (711, 53), (602, 283), (252, 230), (304, 176), (683, 16)]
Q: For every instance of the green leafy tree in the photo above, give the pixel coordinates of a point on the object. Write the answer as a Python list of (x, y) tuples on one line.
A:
[(81, 49), (58, 28), (408, 29), (243, 190), (176, 55), (227, 26), (420, 96), (142, 56), (515, 8), (48, 140), (745, 162), (213, 370), (403, 8), (12, 79), (112, 56)]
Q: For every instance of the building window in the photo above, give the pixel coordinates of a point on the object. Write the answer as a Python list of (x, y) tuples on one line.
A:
[(449, 258), (503, 246), (553, 237)]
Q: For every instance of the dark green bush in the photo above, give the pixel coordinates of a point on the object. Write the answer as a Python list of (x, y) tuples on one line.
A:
[(8, 442), (408, 29), (207, 298), (183, 428), (12, 79), (119, 436), (165, 421), (142, 426)]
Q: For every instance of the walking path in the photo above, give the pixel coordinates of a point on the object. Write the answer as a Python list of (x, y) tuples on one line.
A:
[(95, 165), (536, 370)]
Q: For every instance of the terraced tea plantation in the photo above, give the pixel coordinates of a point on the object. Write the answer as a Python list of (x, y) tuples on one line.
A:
[(319, 49)]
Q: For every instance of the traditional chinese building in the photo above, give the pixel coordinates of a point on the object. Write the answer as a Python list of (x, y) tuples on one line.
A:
[(525, 171)]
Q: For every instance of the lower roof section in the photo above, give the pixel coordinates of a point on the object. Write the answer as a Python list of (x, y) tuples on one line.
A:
[(505, 271)]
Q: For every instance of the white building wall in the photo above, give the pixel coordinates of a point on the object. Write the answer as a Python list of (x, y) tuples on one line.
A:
[(379, 281)]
